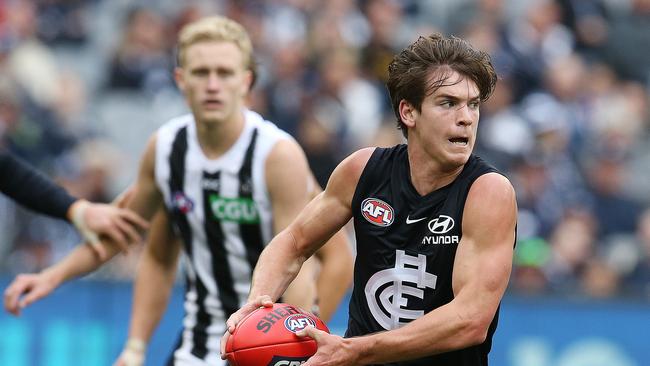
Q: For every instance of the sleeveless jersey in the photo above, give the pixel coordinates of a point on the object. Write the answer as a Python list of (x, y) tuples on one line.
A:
[(222, 212), (406, 245)]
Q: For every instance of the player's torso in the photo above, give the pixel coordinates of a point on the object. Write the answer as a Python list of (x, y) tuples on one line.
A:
[(406, 243), (221, 210)]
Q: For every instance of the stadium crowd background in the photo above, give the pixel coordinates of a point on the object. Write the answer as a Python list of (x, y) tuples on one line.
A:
[(84, 82)]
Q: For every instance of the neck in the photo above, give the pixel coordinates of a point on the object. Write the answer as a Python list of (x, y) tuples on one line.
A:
[(427, 174), (217, 138)]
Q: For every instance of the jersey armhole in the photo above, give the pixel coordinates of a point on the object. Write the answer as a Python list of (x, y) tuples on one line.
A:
[(367, 175)]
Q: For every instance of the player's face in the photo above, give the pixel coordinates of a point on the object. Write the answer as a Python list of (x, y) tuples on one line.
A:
[(446, 125), (214, 81)]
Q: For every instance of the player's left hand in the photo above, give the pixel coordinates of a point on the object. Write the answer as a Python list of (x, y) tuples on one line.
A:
[(331, 349), (236, 317), (26, 289)]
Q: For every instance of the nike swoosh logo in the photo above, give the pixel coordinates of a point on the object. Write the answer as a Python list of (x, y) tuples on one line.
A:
[(409, 221)]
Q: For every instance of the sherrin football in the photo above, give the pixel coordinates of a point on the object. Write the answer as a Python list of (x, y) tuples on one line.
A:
[(267, 337)]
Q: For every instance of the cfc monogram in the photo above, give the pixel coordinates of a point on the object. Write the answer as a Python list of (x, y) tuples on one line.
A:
[(409, 271)]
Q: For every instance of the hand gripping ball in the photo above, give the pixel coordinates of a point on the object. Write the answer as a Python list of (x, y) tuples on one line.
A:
[(266, 337)]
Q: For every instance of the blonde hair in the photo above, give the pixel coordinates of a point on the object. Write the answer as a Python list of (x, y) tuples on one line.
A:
[(215, 28)]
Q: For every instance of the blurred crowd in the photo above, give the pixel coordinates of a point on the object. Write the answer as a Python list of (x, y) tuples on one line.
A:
[(84, 82)]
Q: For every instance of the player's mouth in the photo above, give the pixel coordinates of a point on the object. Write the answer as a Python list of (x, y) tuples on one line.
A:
[(212, 104), (459, 141)]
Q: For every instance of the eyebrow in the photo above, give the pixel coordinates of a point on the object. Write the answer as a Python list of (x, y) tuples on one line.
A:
[(454, 97)]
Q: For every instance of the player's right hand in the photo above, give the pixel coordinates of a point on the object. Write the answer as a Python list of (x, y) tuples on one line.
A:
[(120, 225), (25, 289), (236, 317), (133, 354)]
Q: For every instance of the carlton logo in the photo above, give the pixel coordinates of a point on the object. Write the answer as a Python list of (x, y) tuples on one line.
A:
[(377, 212), (287, 361), (297, 322)]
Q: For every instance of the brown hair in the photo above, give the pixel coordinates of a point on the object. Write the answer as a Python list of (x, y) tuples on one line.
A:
[(409, 71)]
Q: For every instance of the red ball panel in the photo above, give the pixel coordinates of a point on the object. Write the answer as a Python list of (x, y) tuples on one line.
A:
[(267, 337)]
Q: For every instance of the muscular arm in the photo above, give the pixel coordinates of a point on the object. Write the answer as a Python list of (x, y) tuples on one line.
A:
[(334, 266), (481, 271), (316, 224), (335, 275), (287, 179)]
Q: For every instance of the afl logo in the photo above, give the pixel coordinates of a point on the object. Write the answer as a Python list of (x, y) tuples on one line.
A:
[(377, 212), (442, 224), (182, 203), (297, 322)]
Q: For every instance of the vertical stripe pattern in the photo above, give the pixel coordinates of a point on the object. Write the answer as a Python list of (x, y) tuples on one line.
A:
[(251, 233)]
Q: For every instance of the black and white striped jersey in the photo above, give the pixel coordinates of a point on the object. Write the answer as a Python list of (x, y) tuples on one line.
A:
[(222, 211)]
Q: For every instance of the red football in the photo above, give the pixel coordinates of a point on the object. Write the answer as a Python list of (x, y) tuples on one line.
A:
[(266, 337)]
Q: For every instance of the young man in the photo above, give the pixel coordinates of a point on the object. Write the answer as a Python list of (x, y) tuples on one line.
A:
[(435, 225), (35, 191), (228, 179)]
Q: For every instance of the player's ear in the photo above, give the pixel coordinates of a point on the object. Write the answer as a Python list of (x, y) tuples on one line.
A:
[(407, 113), (179, 78), (248, 81)]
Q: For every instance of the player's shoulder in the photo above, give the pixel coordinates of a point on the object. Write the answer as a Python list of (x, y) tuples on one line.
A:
[(176, 123), (492, 188), (266, 128)]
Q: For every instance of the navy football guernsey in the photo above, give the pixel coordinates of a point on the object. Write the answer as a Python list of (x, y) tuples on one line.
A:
[(406, 245)]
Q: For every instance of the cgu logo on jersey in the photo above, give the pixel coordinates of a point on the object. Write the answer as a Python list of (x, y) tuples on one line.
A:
[(182, 203), (240, 210), (441, 225), (298, 322), (377, 212), (287, 361)]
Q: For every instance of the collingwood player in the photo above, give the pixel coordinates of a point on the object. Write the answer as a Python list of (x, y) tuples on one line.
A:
[(228, 181), (434, 225)]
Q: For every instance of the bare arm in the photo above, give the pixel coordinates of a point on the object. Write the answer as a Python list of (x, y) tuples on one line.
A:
[(287, 179), (325, 277), (335, 268), (145, 200), (481, 271), (335, 275), (158, 265)]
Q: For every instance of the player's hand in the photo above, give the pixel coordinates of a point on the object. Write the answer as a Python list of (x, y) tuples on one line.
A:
[(331, 350), (26, 289), (118, 224), (234, 319), (133, 353)]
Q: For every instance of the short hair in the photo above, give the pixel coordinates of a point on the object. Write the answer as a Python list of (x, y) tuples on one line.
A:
[(409, 71), (216, 28)]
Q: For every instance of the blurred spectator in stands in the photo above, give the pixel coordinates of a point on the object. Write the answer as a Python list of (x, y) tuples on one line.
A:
[(288, 90), (615, 212), (357, 101), (599, 279), (588, 21), (548, 181), (389, 33), (531, 257), (534, 40), (142, 61), (318, 137), (639, 277), (63, 22), (29, 62), (572, 245), (628, 39)]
